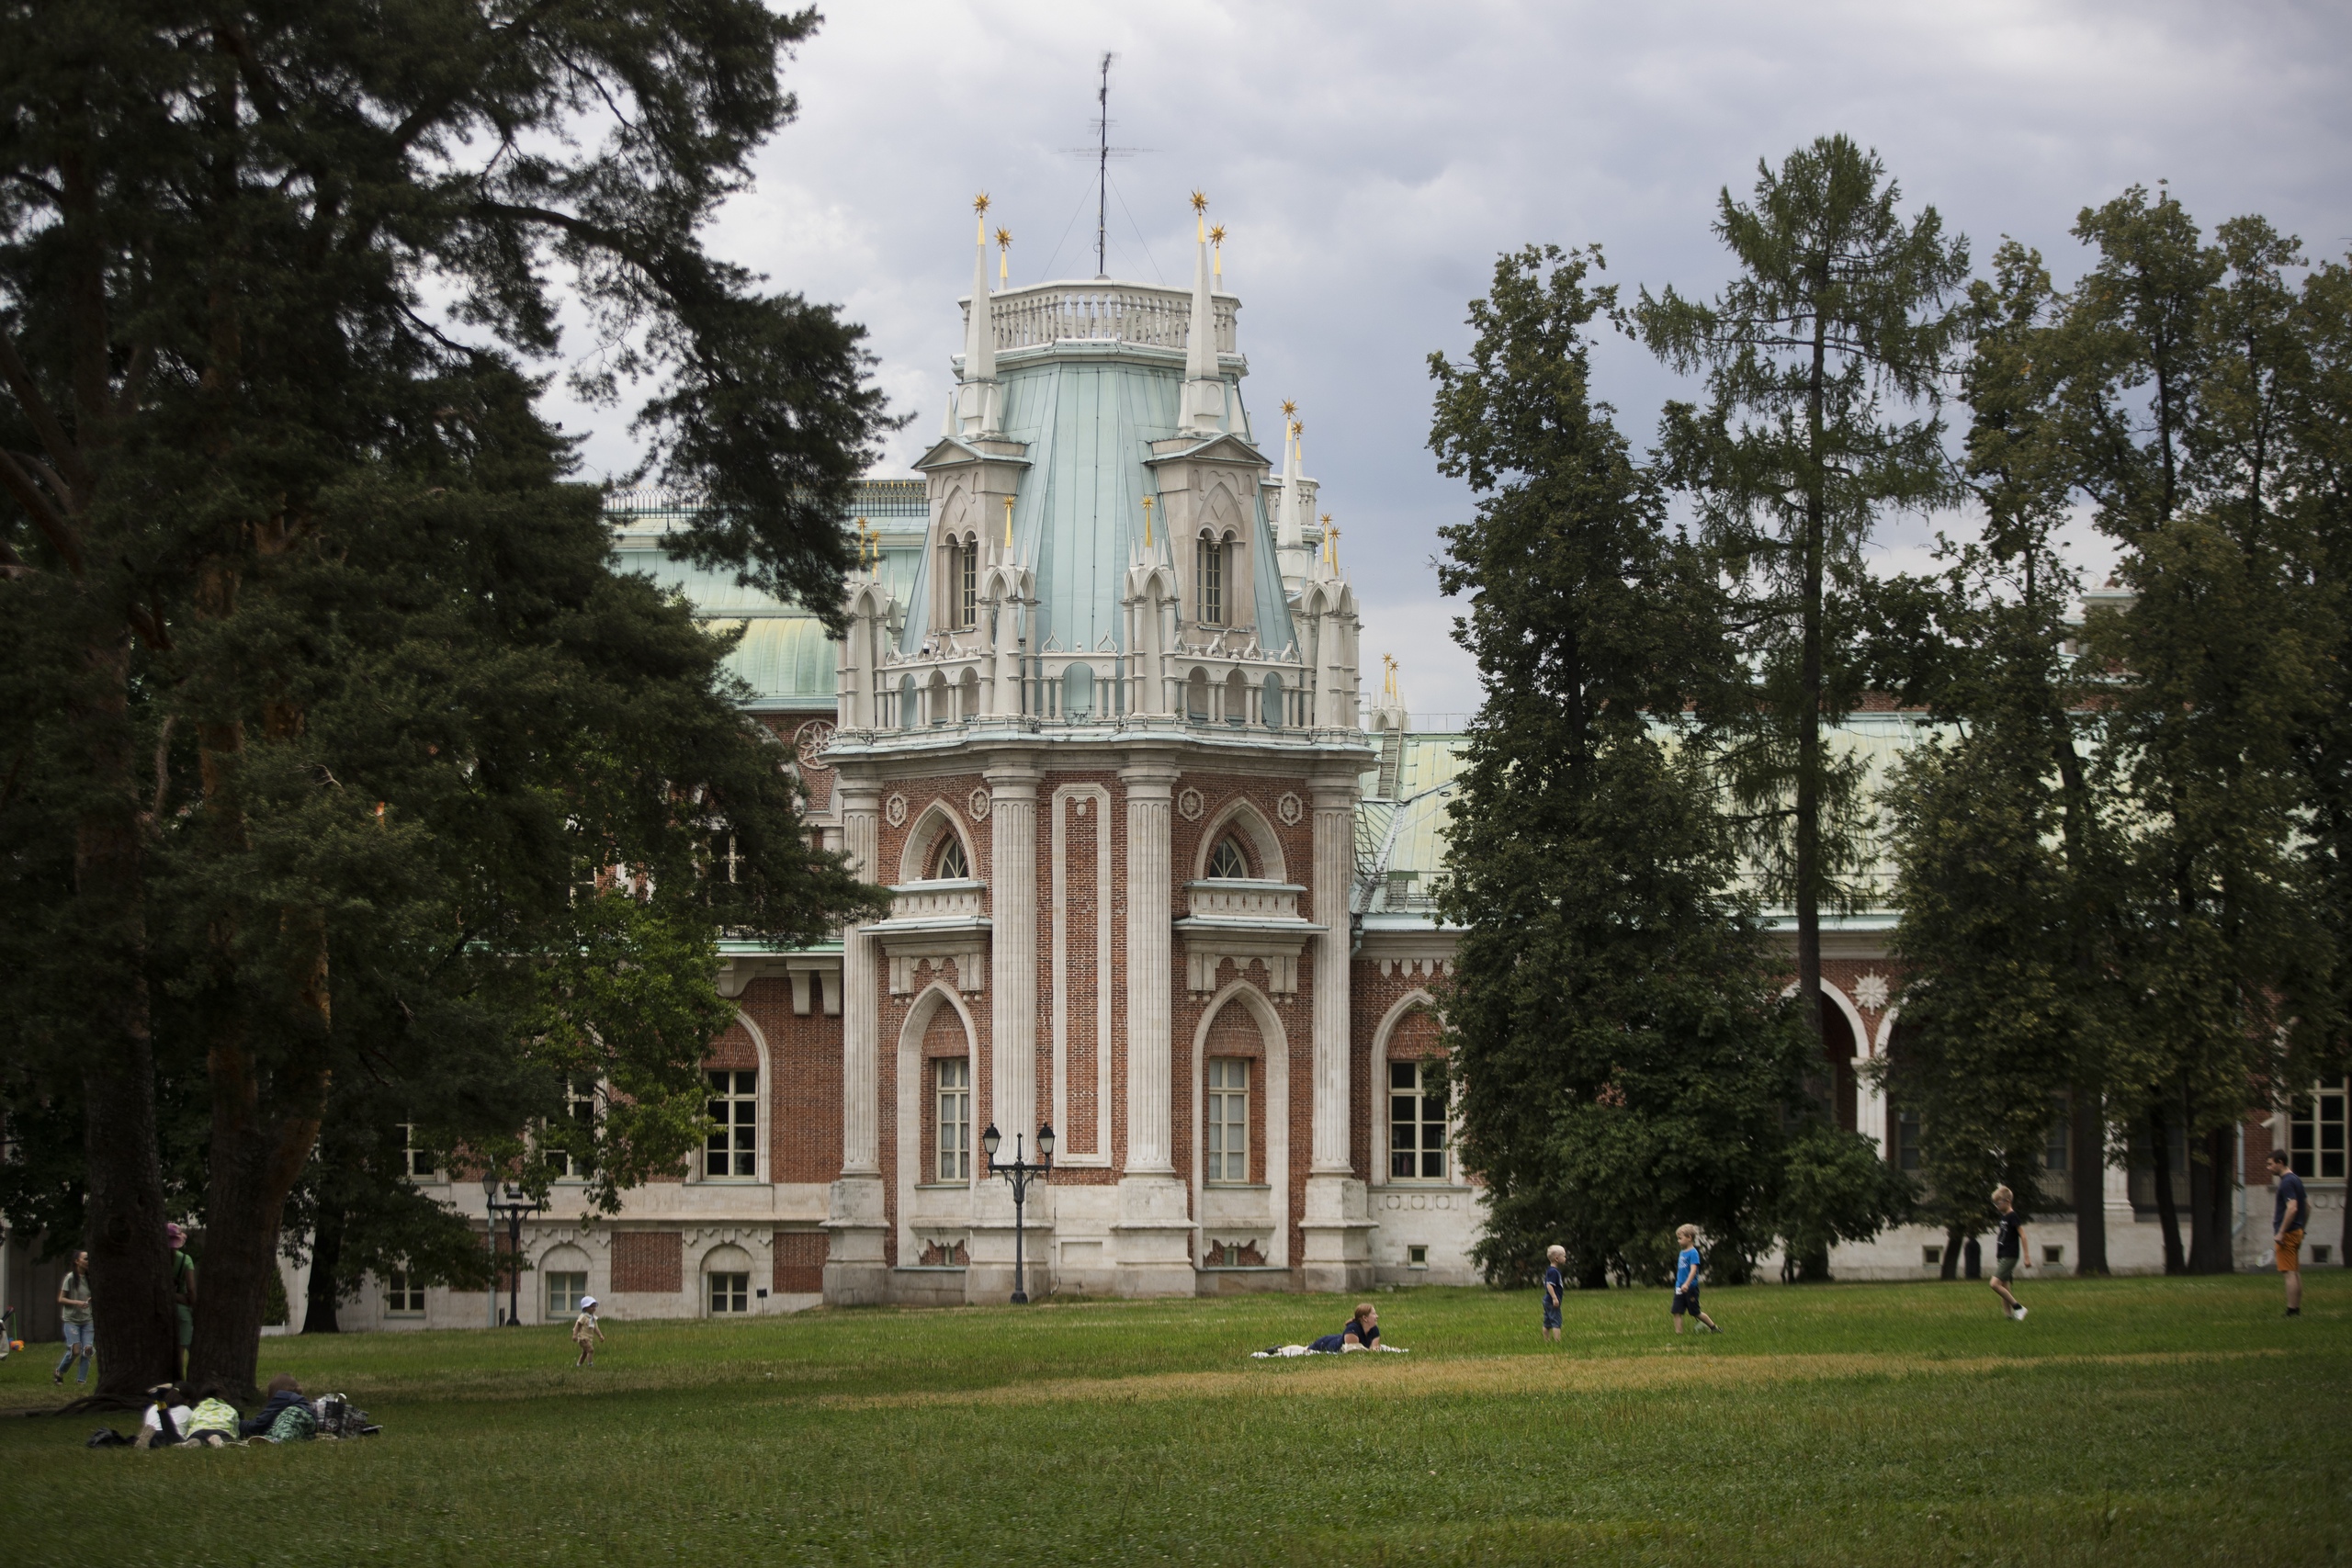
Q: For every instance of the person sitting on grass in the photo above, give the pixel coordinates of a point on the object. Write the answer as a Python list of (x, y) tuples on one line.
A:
[(585, 1334), (2008, 1251), (283, 1393), (1686, 1282), (1361, 1333), (168, 1409)]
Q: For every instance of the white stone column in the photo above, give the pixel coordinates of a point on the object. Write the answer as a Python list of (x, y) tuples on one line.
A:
[(856, 1263), (1012, 949), (1337, 1230), (1153, 1235), (1869, 1103)]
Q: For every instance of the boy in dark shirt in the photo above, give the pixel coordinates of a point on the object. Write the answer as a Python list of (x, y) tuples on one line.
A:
[(2289, 1208), (2008, 1251), (1555, 1255)]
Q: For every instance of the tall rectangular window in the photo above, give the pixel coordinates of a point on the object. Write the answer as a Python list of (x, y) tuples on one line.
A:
[(580, 1111), (1417, 1133), (953, 1076), (967, 582), (1209, 572), (2315, 1145), (1906, 1128), (404, 1295), (732, 1149), (1228, 1118), (416, 1164)]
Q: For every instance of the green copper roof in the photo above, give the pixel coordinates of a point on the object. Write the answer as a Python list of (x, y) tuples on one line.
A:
[(785, 656), (1089, 418)]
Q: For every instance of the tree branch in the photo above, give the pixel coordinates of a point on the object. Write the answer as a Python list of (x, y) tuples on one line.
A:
[(54, 527), (62, 450)]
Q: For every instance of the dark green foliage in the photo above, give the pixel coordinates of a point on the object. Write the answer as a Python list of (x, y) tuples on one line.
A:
[(1623, 1063), (1834, 328), (2005, 849), (285, 545)]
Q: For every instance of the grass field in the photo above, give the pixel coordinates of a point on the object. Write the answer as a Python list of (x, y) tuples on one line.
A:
[(2163, 1421)]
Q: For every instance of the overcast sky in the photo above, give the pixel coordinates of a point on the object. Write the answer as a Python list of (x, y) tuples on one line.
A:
[(1369, 160)]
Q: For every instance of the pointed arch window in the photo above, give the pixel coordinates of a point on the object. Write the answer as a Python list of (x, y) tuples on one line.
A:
[(950, 863), (1209, 580), (968, 582), (1227, 861)]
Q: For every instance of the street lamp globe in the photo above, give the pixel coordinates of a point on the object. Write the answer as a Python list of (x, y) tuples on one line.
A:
[(990, 1140), (1045, 1141)]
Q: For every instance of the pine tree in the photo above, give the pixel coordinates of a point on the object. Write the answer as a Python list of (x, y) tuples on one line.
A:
[(1622, 1062), (1837, 320), (219, 238)]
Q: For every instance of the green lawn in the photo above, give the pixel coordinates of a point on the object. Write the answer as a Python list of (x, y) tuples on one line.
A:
[(2168, 1421)]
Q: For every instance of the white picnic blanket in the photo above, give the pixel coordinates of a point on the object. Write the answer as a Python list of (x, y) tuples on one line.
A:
[(1302, 1350)]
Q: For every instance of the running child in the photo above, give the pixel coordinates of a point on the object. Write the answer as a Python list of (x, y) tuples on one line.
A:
[(1552, 1287), (2008, 1251), (1686, 1282), (585, 1334)]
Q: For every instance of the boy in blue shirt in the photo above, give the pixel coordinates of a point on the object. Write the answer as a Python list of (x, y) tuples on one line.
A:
[(1552, 1284), (1686, 1282)]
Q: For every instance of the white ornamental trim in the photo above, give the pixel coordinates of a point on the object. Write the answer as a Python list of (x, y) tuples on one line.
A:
[(979, 805), (810, 743), (895, 810), (1191, 804), (1290, 809)]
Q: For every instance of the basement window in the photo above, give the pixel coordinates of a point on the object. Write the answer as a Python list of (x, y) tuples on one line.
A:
[(2053, 1256), (1417, 1257), (1931, 1254)]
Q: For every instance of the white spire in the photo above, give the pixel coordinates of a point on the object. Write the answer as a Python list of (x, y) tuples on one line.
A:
[(976, 397), (1204, 385), (1290, 527)]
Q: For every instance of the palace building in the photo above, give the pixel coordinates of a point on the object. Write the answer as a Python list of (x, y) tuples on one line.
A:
[(1158, 881), (1159, 876)]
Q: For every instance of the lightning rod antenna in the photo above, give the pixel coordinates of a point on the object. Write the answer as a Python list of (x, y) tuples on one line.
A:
[(1103, 171)]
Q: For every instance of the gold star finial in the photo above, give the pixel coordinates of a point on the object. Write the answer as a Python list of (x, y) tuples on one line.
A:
[(1290, 408), (1003, 239), (1216, 235), (1199, 201), (980, 203), (1146, 522)]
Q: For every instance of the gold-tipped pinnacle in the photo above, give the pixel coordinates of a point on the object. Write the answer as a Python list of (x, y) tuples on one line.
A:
[(1216, 235), (1199, 201), (1003, 237), (1290, 408), (981, 202)]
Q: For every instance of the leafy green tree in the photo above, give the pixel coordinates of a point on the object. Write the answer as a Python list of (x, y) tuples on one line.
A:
[(2184, 357), (2005, 853), (1623, 1063), (220, 241), (1835, 328)]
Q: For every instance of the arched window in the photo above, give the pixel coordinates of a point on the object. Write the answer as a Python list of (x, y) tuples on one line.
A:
[(907, 702), (1078, 691), (1209, 580), (1227, 861), (1273, 710), (950, 865)]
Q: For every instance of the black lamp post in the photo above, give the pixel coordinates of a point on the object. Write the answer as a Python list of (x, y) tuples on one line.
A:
[(1021, 1173), (513, 1206)]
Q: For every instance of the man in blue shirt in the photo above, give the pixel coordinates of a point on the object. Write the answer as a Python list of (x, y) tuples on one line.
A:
[(2290, 1209), (1555, 1255), (1686, 1282)]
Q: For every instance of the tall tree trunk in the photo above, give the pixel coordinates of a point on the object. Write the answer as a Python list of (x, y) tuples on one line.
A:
[(2209, 1188), (2167, 1212), (129, 1263), (2090, 1179), (1953, 1237), (326, 1257)]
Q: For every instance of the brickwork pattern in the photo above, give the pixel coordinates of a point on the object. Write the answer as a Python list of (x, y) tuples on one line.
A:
[(799, 1262), (803, 1094), (650, 1261)]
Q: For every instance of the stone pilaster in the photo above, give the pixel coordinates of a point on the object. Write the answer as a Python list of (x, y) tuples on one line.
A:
[(1155, 1229), (1337, 1230), (1013, 1037), (856, 1263)]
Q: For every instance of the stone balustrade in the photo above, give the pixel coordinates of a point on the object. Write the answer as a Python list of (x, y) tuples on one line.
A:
[(1046, 313)]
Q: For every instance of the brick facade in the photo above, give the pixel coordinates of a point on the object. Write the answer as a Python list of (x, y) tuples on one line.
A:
[(649, 1262)]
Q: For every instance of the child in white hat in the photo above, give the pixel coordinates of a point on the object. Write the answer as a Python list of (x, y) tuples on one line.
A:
[(585, 1334)]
